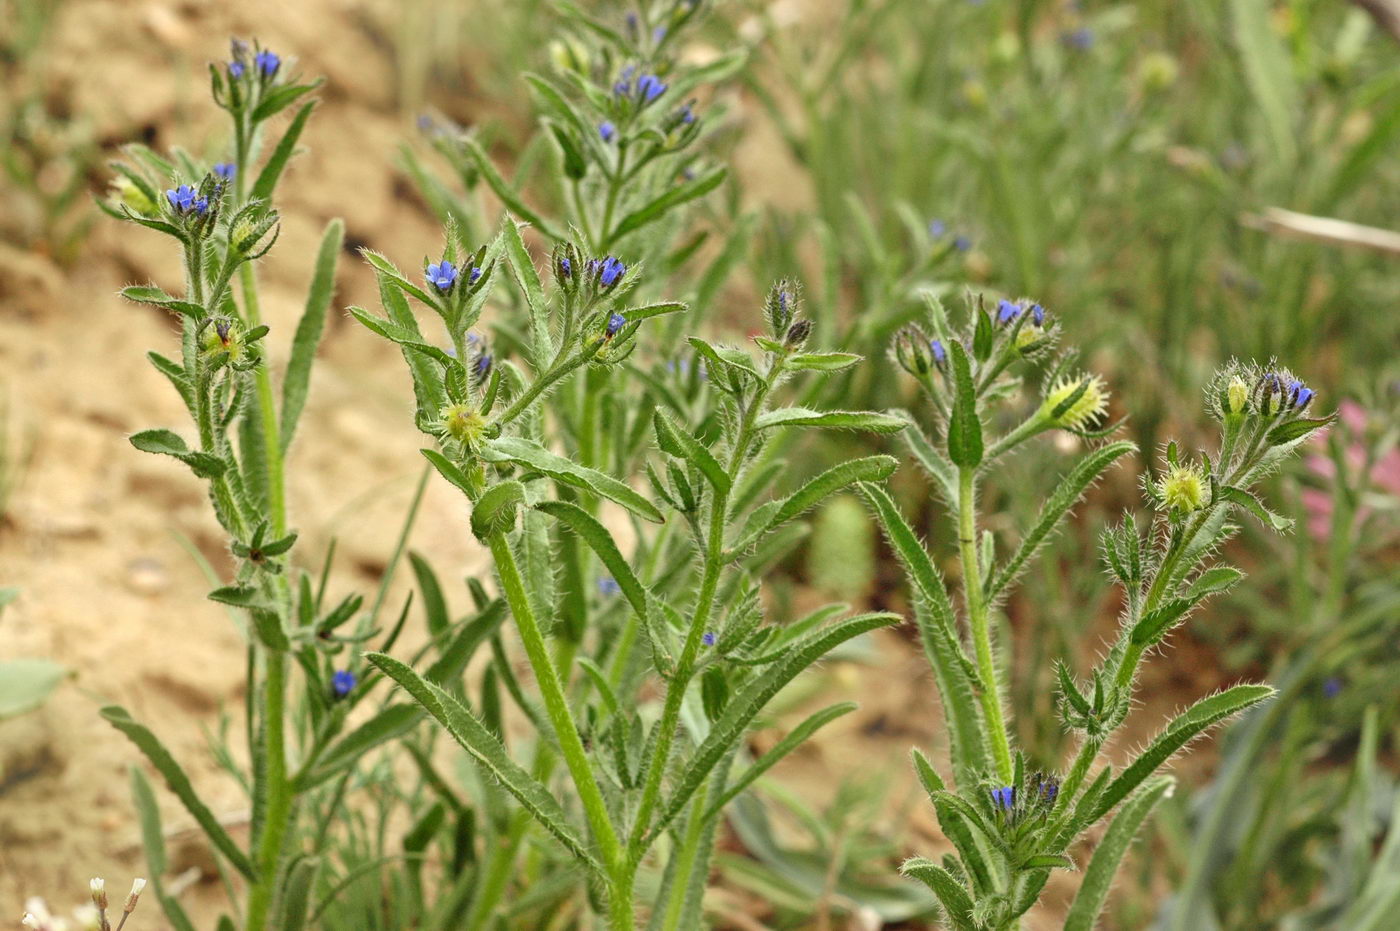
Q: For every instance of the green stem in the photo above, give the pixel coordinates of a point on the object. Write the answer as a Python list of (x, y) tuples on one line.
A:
[(690, 847), (278, 789), (981, 628), (267, 410), (557, 707)]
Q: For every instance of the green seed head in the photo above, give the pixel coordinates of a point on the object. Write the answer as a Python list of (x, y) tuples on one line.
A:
[(464, 424), (1183, 489), (1072, 409)]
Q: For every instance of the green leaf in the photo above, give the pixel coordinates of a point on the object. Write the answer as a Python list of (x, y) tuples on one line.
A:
[(280, 98), (494, 511), (1267, 67), (409, 339), (1295, 430), (1066, 494), (392, 722), (744, 707), (295, 902), (169, 443), (934, 463), (821, 361), (957, 904), (1205, 714), (505, 192), (1213, 581), (534, 456), (150, 294), (954, 825), (434, 605), (869, 469), (983, 335), (153, 842), (647, 311), (25, 684), (179, 783), (868, 421), (676, 441), (676, 196), (1246, 500), (473, 736), (272, 171), (795, 738), (448, 470), (297, 381), (528, 280), (601, 542), (1098, 878), (964, 427), (389, 271)]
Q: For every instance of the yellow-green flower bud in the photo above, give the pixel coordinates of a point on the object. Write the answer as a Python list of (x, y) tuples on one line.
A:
[(1183, 489), (133, 197), (1157, 71), (464, 424), (1068, 407), (1236, 396)]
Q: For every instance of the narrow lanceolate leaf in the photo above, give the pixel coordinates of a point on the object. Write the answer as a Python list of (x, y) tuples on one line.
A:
[(150, 294), (386, 725), (868, 421), (309, 330), (647, 311), (680, 194), (277, 162), (149, 744), (169, 443), (601, 542), (957, 904), (488, 751), (153, 842), (1066, 494), (505, 192), (1182, 730), (964, 427), (1248, 501), (1098, 878), (954, 825), (534, 456), (744, 707), (821, 361), (869, 469), (934, 614), (795, 738), (448, 470), (528, 279), (935, 464), (677, 441)]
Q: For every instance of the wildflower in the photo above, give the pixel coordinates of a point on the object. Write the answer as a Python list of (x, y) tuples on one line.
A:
[(474, 275), (607, 586), (442, 275), (937, 228), (1048, 788), (962, 243), (235, 70), (709, 638), (606, 130), (649, 87), (342, 683), (186, 199), (1073, 403), (1268, 394), (1004, 799), (566, 268), (615, 322), (481, 367), (687, 115), (797, 333), (940, 354), (225, 170), (915, 352), (623, 87), (1299, 395), (1332, 687), (138, 886), (781, 306), (1037, 315), (464, 424), (1236, 396), (98, 887), (1007, 311), (610, 271), (1183, 489), (268, 62)]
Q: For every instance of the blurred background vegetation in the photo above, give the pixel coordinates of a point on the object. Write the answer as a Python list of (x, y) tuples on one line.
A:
[(1122, 164)]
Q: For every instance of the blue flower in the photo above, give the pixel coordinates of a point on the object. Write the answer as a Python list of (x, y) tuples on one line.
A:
[(442, 275), (268, 62), (185, 199), (342, 683), (687, 115), (962, 243), (1049, 789), (481, 368), (474, 275), (225, 170), (235, 70), (709, 638), (1301, 394), (1007, 311), (1038, 314), (607, 130), (1332, 687), (610, 271), (940, 354), (615, 323), (623, 87), (937, 228), (607, 586), (649, 87), (1004, 799), (658, 33)]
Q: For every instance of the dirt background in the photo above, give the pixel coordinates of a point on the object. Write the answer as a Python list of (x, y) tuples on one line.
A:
[(94, 536)]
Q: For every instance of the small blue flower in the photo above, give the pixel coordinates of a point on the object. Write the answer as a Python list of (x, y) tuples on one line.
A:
[(1007, 311), (186, 199), (481, 368), (342, 683), (940, 353), (962, 243), (658, 33), (1038, 314), (649, 87), (1049, 789), (1301, 394), (623, 87), (566, 268), (235, 70), (709, 638), (610, 271), (607, 586), (937, 228), (442, 275), (687, 115), (225, 170), (606, 130), (1004, 799), (1332, 687), (474, 275), (615, 323), (268, 62)]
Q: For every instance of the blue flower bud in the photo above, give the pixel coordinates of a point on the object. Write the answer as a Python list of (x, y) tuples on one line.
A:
[(937, 228), (268, 62), (615, 322), (610, 271), (186, 199), (1007, 312), (1299, 395), (474, 275), (225, 170), (708, 638), (481, 368), (1038, 314), (235, 70), (566, 268), (606, 130), (342, 683), (442, 275), (1332, 687), (607, 586), (940, 354), (962, 243), (649, 87), (1004, 799)]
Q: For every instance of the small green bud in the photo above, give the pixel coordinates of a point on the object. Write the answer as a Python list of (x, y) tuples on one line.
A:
[(1183, 489), (126, 192), (1069, 407), (1236, 396), (464, 424)]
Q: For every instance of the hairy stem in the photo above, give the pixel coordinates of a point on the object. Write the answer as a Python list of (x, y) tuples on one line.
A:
[(278, 791)]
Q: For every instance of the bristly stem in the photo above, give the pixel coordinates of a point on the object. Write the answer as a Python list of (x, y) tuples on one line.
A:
[(279, 791), (267, 410), (981, 628)]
